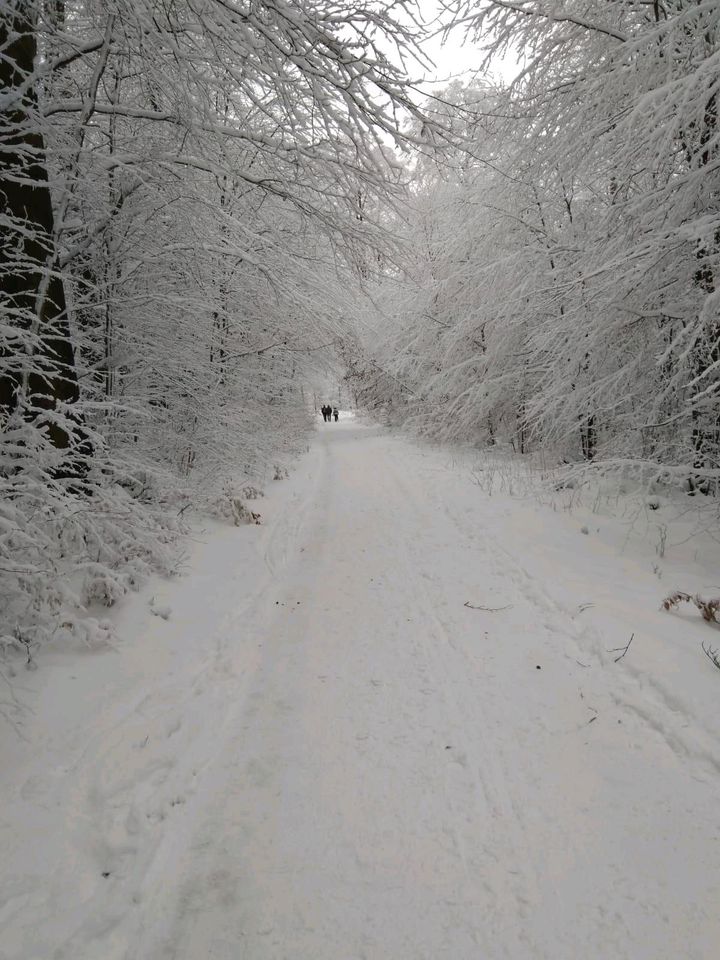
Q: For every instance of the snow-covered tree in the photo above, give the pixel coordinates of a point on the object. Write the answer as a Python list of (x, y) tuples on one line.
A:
[(564, 286), (178, 238)]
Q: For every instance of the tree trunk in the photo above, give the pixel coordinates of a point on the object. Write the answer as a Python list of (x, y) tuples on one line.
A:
[(37, 364), (705, 418), (588, 437)]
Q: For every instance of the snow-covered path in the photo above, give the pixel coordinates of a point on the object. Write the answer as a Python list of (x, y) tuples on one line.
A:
[(392, 772)]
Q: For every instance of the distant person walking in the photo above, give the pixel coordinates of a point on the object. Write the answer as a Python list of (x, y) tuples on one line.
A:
[(325, 410), (336, 414)]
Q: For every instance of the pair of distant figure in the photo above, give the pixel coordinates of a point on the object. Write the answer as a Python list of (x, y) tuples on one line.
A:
[(329, 413)]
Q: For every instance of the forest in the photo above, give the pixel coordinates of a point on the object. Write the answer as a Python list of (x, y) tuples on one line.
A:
[(204, 201)]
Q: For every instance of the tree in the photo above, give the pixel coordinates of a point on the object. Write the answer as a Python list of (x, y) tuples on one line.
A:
[(38, 379), (180, 186), (571, 281)]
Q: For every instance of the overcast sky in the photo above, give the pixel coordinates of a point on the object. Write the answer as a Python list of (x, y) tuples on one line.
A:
[(455, 58)]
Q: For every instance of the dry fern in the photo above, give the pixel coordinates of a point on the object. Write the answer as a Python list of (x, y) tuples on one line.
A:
[(708, 608)]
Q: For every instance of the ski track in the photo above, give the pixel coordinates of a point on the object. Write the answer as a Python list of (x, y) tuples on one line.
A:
[(363, 768)]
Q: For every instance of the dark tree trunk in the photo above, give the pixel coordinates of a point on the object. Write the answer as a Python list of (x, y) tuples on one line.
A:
[(37, 373), (521, 427), (588, 438), (705, 416)]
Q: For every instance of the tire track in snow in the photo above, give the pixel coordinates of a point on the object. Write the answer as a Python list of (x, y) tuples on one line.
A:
[(631, 689), (280, 542), (405, 751), (488, 770), (333, 822), (137, 780), (629, 697)]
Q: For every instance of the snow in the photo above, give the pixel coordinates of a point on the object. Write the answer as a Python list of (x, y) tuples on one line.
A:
[(387, 724)]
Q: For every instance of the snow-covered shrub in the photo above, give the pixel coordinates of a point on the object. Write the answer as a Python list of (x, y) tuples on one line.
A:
[(229, 504), (243, 514), (65, 545), (86, 630)]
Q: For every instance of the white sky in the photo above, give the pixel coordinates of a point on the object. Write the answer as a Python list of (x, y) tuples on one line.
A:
[(454, 58)]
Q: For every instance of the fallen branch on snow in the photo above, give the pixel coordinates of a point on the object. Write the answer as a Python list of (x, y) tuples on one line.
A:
[(472, 606), (624, 649)]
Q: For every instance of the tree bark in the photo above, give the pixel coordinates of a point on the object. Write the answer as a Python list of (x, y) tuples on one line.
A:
[(37, 365)]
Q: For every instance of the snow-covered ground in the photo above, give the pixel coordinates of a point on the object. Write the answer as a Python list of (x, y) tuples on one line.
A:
[(386, 724)]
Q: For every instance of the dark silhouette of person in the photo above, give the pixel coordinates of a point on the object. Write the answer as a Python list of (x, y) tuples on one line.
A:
[(325, 410), (336, 414)]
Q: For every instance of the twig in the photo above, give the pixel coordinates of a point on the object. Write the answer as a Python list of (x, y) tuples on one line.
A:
[(711, 654), (472, 606), (13, 711), (624, 649)]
